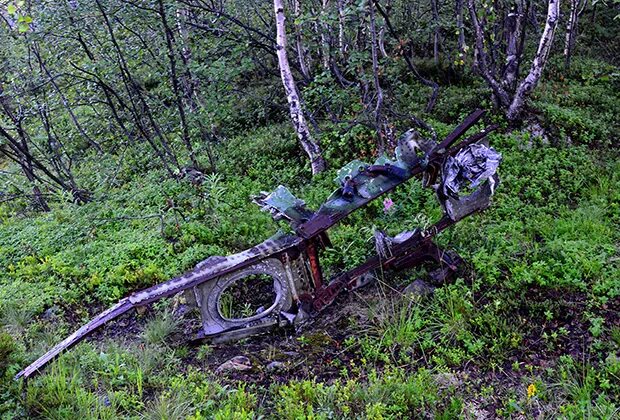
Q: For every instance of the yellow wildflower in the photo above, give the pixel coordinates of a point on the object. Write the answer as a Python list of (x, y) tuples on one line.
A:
[(531, 390)]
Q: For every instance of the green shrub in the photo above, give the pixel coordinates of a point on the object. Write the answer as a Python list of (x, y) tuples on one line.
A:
[(7, 348)]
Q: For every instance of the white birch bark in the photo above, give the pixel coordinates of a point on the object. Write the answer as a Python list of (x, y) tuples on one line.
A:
[(460, 27), (513, 34), (571, 29), (325, 30), (310, 146), (540, 60), (341, 23), (514, 101)]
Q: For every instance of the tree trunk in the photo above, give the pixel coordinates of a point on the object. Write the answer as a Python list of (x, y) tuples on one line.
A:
[(21, 154), (513, 36), (342, 42), (538, 65), (571, 30), (311, 147), (375, 73), (325, 30), (460, 28), (426, 82), (533, 18), (435, 13), (513, 99), (37, 195), (64, 101), (26, 165), (481, 59), (299, 44), (138, 103), (191, 85), (174, 81)]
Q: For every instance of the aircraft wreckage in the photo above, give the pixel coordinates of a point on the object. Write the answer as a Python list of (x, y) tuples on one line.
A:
[(463, 176)]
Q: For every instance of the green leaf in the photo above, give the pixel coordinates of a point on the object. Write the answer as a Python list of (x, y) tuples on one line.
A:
[(11, 9), (23, 27)]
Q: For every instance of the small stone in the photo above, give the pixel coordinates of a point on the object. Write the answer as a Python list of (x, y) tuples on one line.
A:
[(274, 366), (236, 364), (50, 313), (181, 310), (474, 410), (418, 288), (447, 380)]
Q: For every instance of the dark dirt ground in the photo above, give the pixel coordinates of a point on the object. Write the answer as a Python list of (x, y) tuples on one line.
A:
[(306, 353), (318, 351)]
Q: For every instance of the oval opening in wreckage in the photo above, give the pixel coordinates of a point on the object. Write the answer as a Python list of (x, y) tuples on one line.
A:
[(248, 297)]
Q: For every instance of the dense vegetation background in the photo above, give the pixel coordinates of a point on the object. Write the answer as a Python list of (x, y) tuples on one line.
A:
[(132, 134)]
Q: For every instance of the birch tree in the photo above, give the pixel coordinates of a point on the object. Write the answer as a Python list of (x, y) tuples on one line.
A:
[(576, 8), (299, 43), (436, 30), (513, 100), (538, 64), (310, 146)]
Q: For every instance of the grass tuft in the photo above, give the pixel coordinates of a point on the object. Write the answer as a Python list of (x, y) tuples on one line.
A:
[(159, 330)]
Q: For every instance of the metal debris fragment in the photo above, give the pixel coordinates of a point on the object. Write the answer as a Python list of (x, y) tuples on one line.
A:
[(474, 165), (291, 261)]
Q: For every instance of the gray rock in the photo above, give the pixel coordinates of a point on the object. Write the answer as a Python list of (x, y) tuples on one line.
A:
[(447, 380), (275, 366), (51, 313), (236, 364), (418, 288)]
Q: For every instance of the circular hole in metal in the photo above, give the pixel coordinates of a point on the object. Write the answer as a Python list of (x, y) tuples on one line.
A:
[(247, 297)]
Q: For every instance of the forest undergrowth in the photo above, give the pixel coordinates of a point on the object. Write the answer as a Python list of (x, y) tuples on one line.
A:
[(530, 328)]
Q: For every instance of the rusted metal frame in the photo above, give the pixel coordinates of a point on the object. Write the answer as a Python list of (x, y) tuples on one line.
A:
[(471, 119), (416, 256), (474, 138), (311, 237), (324, 295), (414, 250), (315, 268), (404, 255), (448, 262)]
